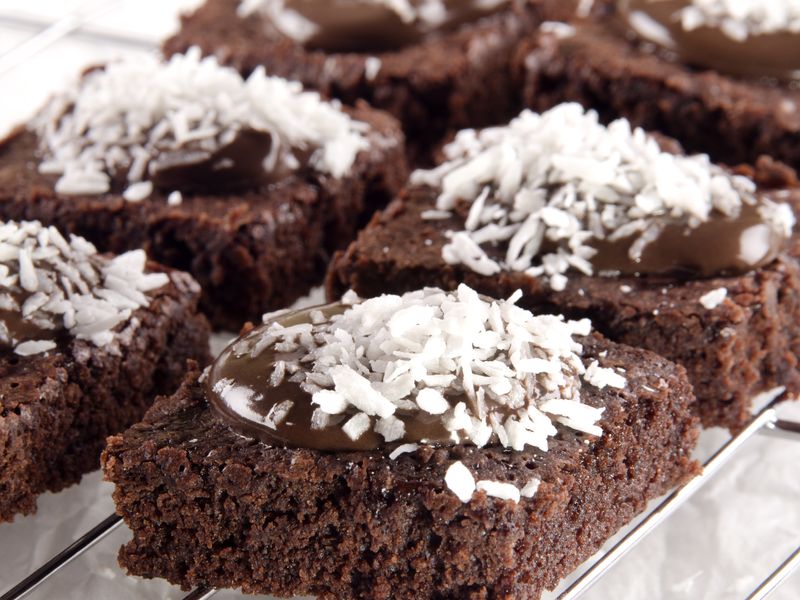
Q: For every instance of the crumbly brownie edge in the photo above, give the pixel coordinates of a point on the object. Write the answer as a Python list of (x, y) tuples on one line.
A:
[(54, 419), (463, 79), (207, 507), (746, 345), (278, 240), (732, 120)]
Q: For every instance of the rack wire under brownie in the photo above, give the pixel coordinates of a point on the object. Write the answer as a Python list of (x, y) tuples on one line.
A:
[(766, 422)]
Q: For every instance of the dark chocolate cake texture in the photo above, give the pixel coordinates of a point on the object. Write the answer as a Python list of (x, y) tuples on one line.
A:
[(661, 250), (232, 180), (437, 65), (431, 445), (86, 343), (719, 76)]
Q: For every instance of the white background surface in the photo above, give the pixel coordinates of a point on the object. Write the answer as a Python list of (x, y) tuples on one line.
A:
[(719, 545)]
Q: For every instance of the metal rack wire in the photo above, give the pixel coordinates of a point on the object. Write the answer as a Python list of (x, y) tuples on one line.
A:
[(765, 421)]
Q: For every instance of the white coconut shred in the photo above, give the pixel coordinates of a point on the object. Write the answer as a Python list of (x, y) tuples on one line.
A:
[(57, 284)]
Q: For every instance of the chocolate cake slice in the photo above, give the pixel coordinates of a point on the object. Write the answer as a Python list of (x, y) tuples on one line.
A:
[(718, 78), (434, 445), (247, 185), (438, 66), (86, 343), (665, 252)]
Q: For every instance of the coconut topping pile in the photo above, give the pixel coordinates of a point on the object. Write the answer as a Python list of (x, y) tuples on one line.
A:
[(54, 284), (562, 178), (119, 118), (740, 19), (488, 369), (431, 13)]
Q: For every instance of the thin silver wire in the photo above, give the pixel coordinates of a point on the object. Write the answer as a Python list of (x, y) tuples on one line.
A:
[(63, 558), (54, 32), (677, 498), (787, 430), (201, 594), (85, 31), (778, 576)]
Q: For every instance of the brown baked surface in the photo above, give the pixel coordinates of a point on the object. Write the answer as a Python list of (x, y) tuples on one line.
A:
[(734, 120), (251, 252), (750, 343), (56, 409), (449, 82), (209, 507)]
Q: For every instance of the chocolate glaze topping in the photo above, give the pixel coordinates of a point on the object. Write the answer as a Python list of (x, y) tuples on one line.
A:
[(14, 328), (719, 246), (359, 26), (238, 164), (771, 55), (238, 388)]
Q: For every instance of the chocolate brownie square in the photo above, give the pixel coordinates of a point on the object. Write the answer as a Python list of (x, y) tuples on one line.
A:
[(734, 331), (277, 507), (436, 73), (255, 238), (735, 99), (75, 370)]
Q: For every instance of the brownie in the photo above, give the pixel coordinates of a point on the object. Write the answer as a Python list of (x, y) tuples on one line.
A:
[(57, 408), (735, 120), (453, 80), (251, 251), (209, 507), (747, 344)]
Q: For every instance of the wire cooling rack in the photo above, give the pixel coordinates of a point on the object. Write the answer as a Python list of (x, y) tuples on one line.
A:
[(45, 32), (766, 421)]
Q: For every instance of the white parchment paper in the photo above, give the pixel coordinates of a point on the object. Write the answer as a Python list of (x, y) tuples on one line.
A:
[(720, 545)]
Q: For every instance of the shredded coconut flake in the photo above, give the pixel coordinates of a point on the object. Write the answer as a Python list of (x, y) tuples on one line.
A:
[(54, 283), (432, 401), (584, 8), (175, 199), (484, 368), (118, 119), (356, 426), (529, 489), (558, 29), (34, 347), (460, 481), (714, 298), (403, 449), (498, 489), (564, 178), (372, 66), (600, 377), (138, 191), (740, 19)]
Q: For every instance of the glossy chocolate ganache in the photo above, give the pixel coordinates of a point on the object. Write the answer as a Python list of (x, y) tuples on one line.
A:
[(428, 367), (721, 245), (242, 162), (369, 25), (737, 44)]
